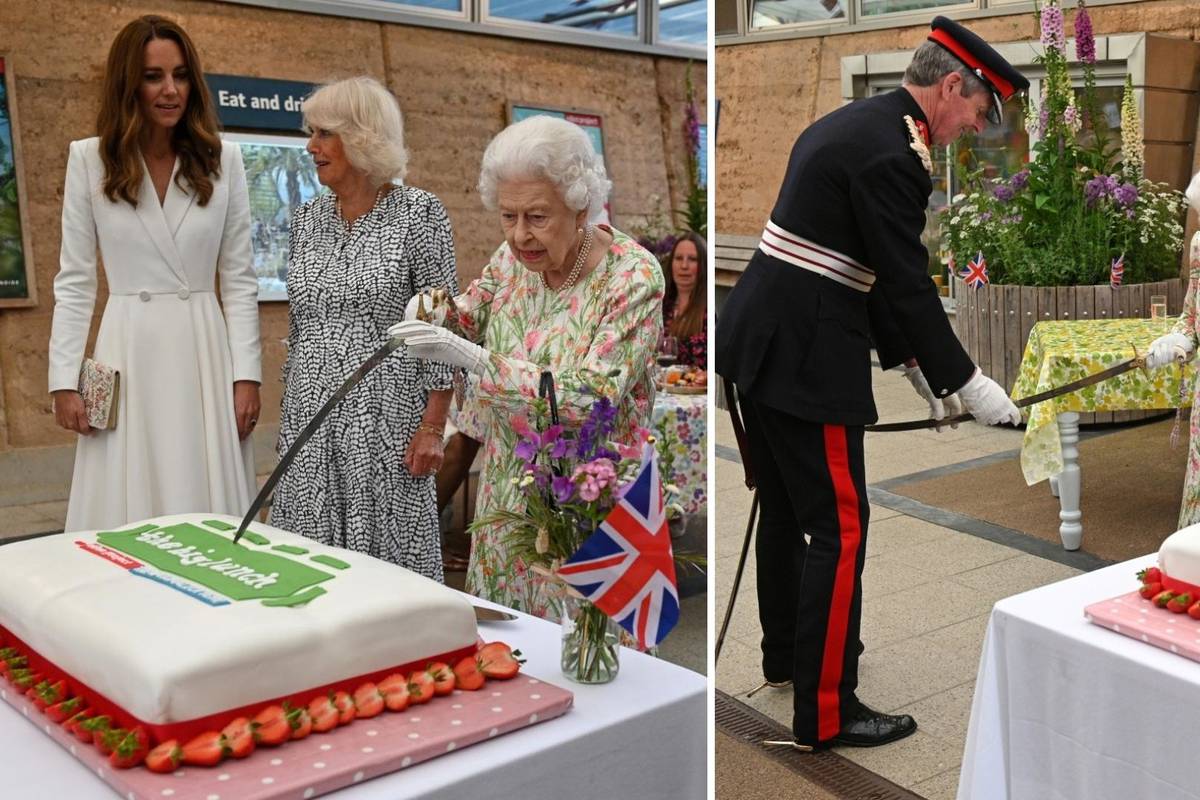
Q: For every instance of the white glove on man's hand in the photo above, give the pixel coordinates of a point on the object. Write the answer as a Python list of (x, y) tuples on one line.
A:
[(989, 403), (1168, 348), (431, 343), (939, 408)]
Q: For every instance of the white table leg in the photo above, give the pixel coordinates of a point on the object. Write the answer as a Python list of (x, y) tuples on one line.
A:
[(1071, 530), (1054, 485)]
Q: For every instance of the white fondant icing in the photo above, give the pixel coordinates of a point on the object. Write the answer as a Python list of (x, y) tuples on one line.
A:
[(1179, 555), (167, 657)]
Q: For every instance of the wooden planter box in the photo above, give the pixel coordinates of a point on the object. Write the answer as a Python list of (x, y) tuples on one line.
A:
[(993, 322)]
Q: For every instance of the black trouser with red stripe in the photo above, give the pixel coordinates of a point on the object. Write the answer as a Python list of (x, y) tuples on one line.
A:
[(811, 480)]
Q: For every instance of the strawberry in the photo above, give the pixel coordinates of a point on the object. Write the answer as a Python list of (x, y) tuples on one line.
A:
[(323, 712), (239, 737), (47, 694), (1150, 575), (206, 750), (467, 674), (75, 719), (498, 660), (271, 727), (344, 703), (368, 700), (1179, 603), (443, 678), (63, 709), (165, 757), (299, 720), (87, 731), (24, 678), (394, 689), (1162, 598), (420, 687), (131, 750), (107, 739), (1149, 590)]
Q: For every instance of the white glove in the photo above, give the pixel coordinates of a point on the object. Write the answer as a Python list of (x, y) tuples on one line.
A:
[(431, 343), (939, 408), (989, 403), (1169, 348)]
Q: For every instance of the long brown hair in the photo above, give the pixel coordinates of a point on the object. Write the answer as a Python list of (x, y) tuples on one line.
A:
[(692, 320), (121, 121)]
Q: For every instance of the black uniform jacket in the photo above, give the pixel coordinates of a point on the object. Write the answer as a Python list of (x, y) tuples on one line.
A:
[(799, 342)]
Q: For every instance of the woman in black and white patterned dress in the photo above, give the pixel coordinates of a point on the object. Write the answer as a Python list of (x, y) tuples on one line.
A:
[(357, 254)]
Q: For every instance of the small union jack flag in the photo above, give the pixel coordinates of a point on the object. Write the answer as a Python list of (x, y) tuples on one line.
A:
[(974, 274), (626, 567), (1117, 271)]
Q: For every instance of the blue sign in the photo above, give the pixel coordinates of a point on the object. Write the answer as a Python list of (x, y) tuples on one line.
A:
[(259, 103)]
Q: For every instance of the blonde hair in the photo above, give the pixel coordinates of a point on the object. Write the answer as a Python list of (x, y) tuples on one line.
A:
[(366, 116), (548, 148)]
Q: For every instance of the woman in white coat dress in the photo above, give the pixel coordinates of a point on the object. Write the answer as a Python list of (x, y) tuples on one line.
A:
[(166, 206)]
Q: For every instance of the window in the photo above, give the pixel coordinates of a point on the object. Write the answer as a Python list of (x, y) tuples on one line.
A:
[(871, 8), (683, 21), (618, 17), (769, 13), (439, 5)]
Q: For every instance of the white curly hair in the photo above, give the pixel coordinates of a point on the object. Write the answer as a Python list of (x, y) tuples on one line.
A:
[(367, 118), (546, 148)]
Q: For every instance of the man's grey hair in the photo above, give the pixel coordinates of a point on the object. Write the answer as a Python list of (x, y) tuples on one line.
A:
[(932, 62), (546, 148)]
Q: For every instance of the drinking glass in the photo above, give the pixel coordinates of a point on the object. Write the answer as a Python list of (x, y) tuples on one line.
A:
[(668, 351), (1158, 306)]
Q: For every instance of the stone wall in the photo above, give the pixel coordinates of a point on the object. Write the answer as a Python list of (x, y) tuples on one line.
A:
[(453, 88), (770, 91)]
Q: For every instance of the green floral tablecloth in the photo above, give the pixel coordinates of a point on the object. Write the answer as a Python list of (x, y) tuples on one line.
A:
[(1061, 351)]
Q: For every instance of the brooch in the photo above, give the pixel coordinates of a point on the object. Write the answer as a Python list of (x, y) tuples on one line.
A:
[(917, 143)]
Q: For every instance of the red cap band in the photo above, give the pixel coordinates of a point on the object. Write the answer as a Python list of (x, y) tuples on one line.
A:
[(962, 54)]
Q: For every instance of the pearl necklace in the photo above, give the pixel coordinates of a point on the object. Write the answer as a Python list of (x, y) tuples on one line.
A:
[(337, 207), (584, 250)]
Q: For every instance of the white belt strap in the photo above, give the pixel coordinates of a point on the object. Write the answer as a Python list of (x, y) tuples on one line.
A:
[(798, 251)]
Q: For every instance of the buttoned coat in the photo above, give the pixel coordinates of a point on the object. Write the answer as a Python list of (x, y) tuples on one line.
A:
[(175, 448)]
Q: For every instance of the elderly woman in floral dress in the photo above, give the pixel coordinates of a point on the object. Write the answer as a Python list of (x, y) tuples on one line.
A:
[(582, 301)]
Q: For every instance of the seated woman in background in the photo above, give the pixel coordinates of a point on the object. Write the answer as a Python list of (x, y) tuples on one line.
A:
[(685, 306), (561, 294)]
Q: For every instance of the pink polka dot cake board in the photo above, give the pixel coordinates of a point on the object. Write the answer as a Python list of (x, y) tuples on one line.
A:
[(326, 762), (1131, 615)]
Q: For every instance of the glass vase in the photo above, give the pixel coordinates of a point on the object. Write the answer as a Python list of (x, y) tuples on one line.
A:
[(590, 643)]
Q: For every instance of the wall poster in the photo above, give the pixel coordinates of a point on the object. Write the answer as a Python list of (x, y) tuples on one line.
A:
[(17, 284)]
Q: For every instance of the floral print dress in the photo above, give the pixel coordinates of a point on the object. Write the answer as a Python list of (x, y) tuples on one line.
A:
[(597, 339), (1189, 325)]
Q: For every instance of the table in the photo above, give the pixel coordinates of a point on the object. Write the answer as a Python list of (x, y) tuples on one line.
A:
[(1069, 710), (644, 735), (1061, 351), (683, 418)]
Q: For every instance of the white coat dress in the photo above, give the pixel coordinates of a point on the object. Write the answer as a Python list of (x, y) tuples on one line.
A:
[(175, 448)]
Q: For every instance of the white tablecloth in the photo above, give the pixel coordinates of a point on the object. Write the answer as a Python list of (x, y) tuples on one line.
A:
[(642, 736), (1067, 710)]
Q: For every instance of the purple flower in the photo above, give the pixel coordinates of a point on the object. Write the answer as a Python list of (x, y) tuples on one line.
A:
[(1097, 188), (985, 216), (526, 450), (563, 488), (1003, 193), (1085, 39), (691, 126), (1020, 180), (1052, 27), (1126, 195)]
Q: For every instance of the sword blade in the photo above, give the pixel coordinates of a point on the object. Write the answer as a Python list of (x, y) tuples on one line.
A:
[(376, 358), (1137, 362)]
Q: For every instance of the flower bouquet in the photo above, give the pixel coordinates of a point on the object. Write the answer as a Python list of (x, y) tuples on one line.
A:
[(1082, 208), (572, 480)]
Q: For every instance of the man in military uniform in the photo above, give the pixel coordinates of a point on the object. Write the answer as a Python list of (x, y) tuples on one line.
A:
[(841, 266)]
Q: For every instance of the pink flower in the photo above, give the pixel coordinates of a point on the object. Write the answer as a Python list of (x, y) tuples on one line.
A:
[(532, 340)]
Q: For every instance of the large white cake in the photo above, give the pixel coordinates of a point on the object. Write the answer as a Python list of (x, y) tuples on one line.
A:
[(1179, 560), (172, 622)]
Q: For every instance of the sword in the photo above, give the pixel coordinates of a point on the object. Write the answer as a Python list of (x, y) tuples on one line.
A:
[(1137, 362), (355, 378)]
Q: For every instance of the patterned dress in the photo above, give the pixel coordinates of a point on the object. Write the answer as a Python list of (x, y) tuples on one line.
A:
[(348, 486), (1189, 325), (598, 338), (693, 350)]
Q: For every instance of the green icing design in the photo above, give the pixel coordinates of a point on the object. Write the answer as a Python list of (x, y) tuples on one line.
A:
[(215, 562), (290, 549), (330, 561), (296, 599), (255, 538), (216, 524)]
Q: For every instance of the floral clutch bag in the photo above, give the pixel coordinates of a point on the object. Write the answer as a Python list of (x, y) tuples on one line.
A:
[(100, 386)]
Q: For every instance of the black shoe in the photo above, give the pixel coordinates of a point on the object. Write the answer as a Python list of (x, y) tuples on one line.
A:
[(865, 727)]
